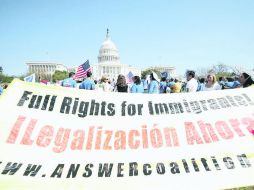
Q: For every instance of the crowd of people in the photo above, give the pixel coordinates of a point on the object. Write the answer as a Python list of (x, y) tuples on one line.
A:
[(154, 85)]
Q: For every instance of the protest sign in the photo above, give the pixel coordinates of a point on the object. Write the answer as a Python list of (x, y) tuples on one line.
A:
[(62, 138)]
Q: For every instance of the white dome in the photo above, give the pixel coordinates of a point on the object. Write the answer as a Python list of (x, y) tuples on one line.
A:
[(108, 51), (108, 44)]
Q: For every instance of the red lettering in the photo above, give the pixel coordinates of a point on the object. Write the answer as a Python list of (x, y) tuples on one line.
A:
[(15, 130), (106, 145), (26, 140), (192, 134), (250, 124), (224, 130), (45, 136), (77, 143), (90, 138), (235, 125), (98, 139), (133, 143), (144, 136), (61, 140), (156, 138), (120, 140), (207, 132), (171, 136)]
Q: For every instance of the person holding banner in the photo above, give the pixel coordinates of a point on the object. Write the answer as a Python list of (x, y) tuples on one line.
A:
[(69, 82), (176, 87), (88, 83), (163, 85), (104, 85), (246, 80), (137, 86), (1, 90), (121, 84), (232, 83), (211, 83), (192, 84), (145, 82), (153, 87)]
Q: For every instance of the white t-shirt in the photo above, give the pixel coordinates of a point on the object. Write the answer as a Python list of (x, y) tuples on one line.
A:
[(215, 86), (192, 85)]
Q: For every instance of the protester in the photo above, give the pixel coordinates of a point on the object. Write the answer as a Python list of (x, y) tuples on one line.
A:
[(163, 85), (69, 82), (88, 83), (192, 84), (153, 87), (113, 84), (170, 84), (146, 82), (211, 83), (176, 87), (222, 81), (104, 84), (137, 86), (1, 90), (231, 83), (201, 84), (246, 80), (121, 85)]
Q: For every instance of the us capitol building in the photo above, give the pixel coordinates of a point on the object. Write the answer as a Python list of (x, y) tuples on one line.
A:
[(108, 65), (109, 62)]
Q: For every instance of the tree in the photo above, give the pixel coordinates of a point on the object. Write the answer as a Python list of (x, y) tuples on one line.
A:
[(220, 70), (5, 78), (59, 75), (202, 72), (1, 69)]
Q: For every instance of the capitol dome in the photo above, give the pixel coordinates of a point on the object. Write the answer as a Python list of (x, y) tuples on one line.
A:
[(108, 51)]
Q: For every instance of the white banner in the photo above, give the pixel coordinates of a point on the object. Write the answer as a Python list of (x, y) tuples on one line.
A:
[(63, 138)]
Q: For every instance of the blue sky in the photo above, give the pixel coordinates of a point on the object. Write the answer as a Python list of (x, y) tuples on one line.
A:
[(186, 34)]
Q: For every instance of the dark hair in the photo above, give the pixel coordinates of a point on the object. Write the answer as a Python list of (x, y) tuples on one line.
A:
[(136, 79), (230, 79), (191, 73), (248, 79), (202, 80), (151, 75), (89, 74), (71, 74), (220, 78), (121, 84), (121, 81), (163, 79), (122, 88)]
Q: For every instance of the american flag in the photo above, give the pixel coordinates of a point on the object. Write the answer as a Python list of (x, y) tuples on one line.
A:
[(82, 70)]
